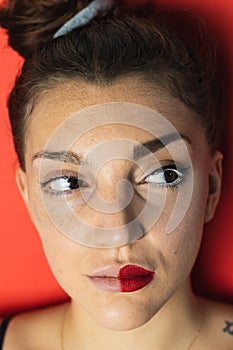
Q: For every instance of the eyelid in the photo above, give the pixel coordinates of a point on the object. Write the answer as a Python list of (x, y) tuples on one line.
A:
[(170, 165), (159, 166), (56, 175), (163, 169), (167, 167), (47, 182)]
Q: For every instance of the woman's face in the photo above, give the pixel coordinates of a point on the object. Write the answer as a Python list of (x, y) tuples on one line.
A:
[(112, 301)]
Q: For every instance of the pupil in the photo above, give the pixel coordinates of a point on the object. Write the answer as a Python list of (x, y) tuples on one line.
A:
[(73, 181), (170, 176)]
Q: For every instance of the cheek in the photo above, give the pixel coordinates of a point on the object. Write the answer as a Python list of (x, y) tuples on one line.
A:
[(67, 260), (187, 238), (179, 248), (59, 250)]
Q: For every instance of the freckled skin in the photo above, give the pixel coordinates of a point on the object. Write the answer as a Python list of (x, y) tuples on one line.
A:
[(171, 256)]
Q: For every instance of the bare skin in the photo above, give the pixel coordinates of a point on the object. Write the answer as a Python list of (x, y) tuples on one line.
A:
[(162, 315), (25, 331)]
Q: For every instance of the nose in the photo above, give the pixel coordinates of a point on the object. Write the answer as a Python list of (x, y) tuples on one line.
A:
[(116, 202), (115, 213), (110, 178), (109, 217)]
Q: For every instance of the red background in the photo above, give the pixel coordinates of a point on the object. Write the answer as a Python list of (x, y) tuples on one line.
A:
[(25, 278)]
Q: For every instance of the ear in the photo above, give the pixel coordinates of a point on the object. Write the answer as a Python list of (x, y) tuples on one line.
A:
[(215, 184), (21, 181)]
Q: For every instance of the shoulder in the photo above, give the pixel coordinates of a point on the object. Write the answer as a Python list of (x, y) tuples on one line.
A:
[(36, 330), (217, 325)]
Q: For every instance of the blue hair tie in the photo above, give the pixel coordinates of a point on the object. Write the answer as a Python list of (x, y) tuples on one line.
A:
[(85, 16)]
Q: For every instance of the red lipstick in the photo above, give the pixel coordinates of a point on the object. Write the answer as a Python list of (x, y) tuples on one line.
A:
[(133, 277), (129, 278)]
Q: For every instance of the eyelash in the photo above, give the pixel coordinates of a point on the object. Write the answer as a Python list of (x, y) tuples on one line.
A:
[(60, 193), (182, 172), (173, 185)]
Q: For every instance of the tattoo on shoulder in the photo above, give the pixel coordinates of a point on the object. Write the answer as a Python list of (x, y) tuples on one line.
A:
[(228, 328)]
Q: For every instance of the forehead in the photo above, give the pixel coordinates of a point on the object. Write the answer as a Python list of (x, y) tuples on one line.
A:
[(59, 103)]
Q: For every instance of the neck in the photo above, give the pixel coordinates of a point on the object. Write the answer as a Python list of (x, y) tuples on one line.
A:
[(174, 326)]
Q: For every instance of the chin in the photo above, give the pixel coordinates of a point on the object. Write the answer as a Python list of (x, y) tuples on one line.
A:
[(124, 317)]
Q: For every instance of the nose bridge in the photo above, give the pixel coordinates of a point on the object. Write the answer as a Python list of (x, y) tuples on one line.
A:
[(115, 189), (112, 177)]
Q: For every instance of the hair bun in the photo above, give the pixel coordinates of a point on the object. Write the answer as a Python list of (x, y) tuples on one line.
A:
[(30, 23)]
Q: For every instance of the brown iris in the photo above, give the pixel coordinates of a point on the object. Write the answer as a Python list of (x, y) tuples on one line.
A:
[(170, 175)]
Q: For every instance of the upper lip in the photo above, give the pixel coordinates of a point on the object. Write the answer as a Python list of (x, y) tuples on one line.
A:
[(107, 271), (113, 271)]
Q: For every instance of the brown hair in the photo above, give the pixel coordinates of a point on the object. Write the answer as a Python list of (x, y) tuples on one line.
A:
[(104, 50)]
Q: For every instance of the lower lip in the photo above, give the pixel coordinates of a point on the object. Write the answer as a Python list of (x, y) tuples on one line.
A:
[(130, 279)]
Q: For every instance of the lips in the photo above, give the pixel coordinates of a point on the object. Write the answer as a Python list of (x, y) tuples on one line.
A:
[(133, 277), (129, 278)]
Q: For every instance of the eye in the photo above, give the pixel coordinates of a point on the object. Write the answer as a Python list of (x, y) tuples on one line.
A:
[(63, 184), (168, 176)]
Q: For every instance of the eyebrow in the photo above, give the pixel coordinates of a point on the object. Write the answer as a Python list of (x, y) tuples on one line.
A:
[(157, 144), (139, 151), (62, 156)]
